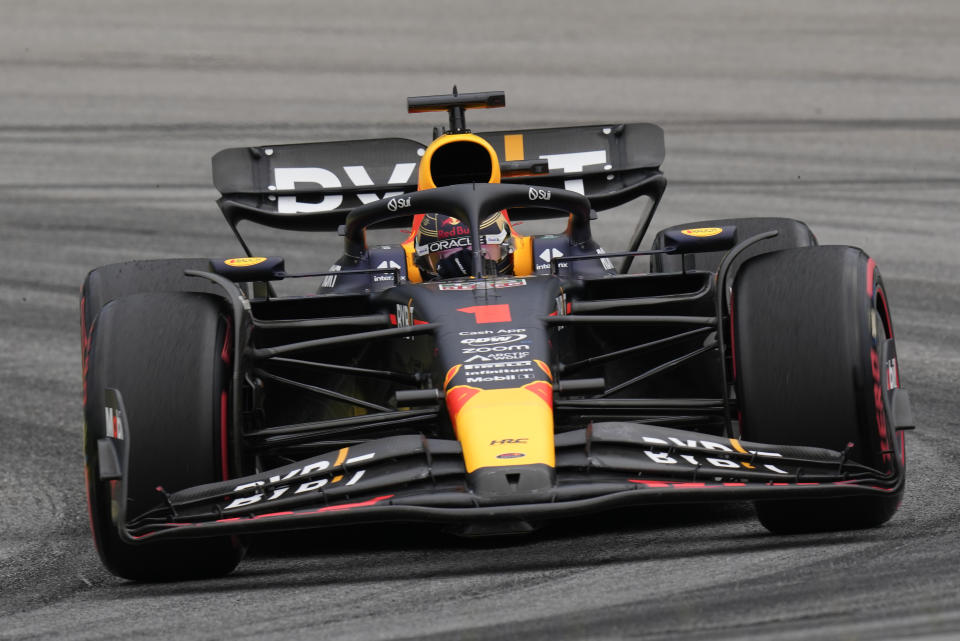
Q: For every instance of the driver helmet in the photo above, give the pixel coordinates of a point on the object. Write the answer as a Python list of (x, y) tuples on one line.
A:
[(443, 247)]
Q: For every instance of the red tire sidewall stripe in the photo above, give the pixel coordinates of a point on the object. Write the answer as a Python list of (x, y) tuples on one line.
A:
[(879, 407), (225, 357), (881, 299)]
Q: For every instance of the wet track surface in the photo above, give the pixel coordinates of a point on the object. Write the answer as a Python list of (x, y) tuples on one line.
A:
[(845, 116)]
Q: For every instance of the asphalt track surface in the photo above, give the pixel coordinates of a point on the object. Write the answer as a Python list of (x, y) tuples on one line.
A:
[(846, 115)]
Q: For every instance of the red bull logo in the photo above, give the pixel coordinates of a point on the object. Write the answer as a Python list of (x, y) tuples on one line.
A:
[(452, 231)]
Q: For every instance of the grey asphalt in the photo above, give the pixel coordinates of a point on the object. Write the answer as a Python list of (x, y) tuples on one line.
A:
[(845, 115)]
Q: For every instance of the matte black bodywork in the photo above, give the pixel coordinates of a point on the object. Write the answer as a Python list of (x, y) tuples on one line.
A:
[(342, 406)]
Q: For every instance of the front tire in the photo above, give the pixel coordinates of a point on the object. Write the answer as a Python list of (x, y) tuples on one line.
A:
[(165, 354), (811, 330), (110, 282)]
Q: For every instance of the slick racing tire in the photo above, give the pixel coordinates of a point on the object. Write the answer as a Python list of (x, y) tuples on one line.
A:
[(166, 353), (810, 332), (792, 233), (106, 283)]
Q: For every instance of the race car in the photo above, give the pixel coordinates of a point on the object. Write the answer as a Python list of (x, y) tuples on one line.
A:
[(473, 376)]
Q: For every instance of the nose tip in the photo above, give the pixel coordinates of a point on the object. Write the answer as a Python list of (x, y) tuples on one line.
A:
[(513, 481)]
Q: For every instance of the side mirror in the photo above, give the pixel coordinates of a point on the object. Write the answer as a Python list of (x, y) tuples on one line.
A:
[(701, 239), (249, 268)]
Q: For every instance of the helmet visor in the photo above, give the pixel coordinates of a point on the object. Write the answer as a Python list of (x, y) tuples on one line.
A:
[(490, 252)]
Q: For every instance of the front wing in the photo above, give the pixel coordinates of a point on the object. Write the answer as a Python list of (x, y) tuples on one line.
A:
[(416, 479)]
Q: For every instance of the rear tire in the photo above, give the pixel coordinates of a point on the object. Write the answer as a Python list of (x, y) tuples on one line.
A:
[(163, 352), (810, 335)]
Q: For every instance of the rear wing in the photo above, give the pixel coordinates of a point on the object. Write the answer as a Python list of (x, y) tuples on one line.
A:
[(313, 186)]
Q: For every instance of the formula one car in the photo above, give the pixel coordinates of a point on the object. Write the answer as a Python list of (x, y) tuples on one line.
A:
[(470, 375)]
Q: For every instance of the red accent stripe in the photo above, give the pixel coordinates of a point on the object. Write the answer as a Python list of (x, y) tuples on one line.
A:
[(85, 333), (651, 483), (489, 313), (882, 302), (227, 342), (329, 508), (685, 484), (414, 229), (871, 266), (225, 356), (457, 397), (267, 516), (453, 371), (858, 484), (347, 506), (83, 324), (542, 389)]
